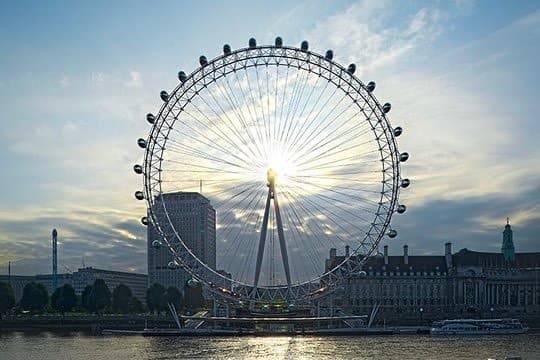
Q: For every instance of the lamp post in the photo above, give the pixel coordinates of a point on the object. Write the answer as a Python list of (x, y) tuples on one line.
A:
[(421, 314), (491, 310)]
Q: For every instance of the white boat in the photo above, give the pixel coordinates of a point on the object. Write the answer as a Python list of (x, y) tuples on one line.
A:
[(478, 327)]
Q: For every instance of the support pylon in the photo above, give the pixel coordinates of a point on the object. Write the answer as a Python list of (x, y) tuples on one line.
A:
[(272, 195)]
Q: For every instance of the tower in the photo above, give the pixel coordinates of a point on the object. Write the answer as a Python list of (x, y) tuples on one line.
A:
[(508, 243), (54, 260), (194, 219)]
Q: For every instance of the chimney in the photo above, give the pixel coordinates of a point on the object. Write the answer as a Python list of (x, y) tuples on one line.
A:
[(406, 254), (448, 254), (332, 253), (385, 254), (347, 250)]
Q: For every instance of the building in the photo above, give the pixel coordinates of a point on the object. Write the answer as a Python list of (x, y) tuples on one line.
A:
[(466, 282), (18, 282), (80, 279), (194, 220), (86, 276)]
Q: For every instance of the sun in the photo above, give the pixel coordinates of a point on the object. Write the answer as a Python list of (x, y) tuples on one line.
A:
[(282, 167)]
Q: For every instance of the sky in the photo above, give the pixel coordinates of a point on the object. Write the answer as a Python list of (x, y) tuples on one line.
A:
[(77, 79)]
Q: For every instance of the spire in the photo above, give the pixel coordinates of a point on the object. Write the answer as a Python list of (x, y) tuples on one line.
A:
[(507, 248)]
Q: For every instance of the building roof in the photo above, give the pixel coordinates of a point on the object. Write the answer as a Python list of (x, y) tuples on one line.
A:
[(112, 272), (426, 263), (466, 257)]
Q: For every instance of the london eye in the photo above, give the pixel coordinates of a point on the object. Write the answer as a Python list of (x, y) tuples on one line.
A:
[(296, 156)]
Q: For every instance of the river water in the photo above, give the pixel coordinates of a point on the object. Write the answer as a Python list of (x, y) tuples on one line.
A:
[(80, 346)]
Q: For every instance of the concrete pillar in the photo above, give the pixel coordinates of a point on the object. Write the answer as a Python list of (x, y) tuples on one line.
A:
[(385, 254)]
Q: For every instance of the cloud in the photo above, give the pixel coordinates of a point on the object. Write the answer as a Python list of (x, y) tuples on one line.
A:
[(134, 80), (65, 81), (101, 237), (362, 35), (469, 124), (475, 223)]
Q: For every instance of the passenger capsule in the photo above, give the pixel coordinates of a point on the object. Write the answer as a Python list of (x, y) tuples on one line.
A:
[(386, 108), (392, 233), (156, 244), (329, 55), (203, 60), (397, 131), (144, 220), (182, 76), (403, 157), (405, 183), (150, 118), (141, 142), (401, 209), (138, 169), (164, 96), (351, 69), (279, 42), (252, 43), (192, 282), (370, 86), (304, 46), (362, 273), (139, 195), (172, 265), (227, 49)]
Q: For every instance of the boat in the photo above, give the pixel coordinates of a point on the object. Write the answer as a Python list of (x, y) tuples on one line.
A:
[(478, 327)]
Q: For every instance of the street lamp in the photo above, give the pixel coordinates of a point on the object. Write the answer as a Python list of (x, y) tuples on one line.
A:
[(421, 313)]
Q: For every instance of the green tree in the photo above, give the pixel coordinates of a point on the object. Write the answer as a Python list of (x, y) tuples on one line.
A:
[(64, 299), (85, 295), (155, 298), (7, 298), (174, 296), (193, 296), (100, 297), (135, 306), (120, 299), (35, 297)]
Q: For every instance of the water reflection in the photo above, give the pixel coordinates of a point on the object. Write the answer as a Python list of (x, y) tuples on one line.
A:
[(70, 345)]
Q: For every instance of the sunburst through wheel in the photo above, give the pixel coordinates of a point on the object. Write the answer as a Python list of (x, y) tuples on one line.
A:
[(295, 154)]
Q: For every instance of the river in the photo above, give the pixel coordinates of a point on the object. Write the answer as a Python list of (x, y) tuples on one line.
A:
[(80, 346)]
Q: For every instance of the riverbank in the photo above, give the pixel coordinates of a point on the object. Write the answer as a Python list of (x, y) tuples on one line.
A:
[(86, 323), (95, 324)]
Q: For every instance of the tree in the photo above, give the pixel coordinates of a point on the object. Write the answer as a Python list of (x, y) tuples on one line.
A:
[(35, 297), (193, 296), (7, 298), (155, 298), (85, 295), (64, 299), (121, 298), (100, 296), (135, 306), (174, 296)]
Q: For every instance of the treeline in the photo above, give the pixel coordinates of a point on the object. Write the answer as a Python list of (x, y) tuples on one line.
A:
[(97, 298)]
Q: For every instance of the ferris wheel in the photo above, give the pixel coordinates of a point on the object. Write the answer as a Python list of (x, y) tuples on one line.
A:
[(296, 156)]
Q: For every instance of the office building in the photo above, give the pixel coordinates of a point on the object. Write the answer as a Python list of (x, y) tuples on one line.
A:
[(194, 220)]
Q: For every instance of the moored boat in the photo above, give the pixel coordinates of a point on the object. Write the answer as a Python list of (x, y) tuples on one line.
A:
[(478, 327)]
